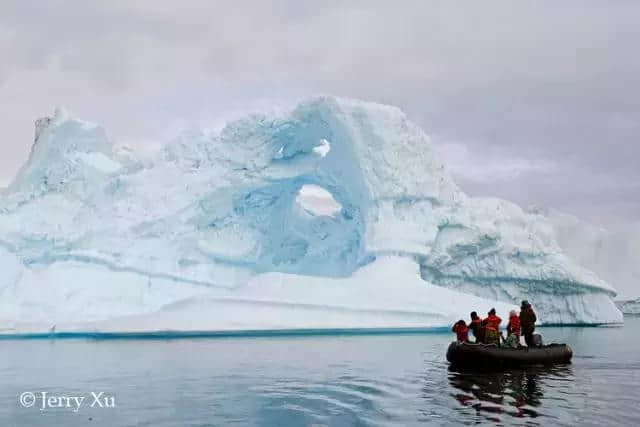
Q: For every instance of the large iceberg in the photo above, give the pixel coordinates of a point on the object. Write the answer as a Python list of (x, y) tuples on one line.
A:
[(337, 215)]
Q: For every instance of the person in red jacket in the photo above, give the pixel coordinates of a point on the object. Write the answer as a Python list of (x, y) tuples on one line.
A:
[(492, 325), (513, 330), (476, 327), (513, 327), (461, 330)]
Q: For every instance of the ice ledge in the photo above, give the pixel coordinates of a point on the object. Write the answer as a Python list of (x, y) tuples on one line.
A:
[(385, 294)]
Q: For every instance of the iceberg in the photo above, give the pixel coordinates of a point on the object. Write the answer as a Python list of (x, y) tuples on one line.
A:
[(611, 253), (629, 306), (338, 214)]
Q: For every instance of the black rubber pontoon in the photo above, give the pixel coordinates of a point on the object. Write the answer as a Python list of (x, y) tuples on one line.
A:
[(481, 356)]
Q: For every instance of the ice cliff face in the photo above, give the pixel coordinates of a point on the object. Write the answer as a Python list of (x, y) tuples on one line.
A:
[(228, 231)]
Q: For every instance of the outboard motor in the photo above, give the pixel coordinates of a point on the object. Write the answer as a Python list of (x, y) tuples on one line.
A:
[(537, 340)]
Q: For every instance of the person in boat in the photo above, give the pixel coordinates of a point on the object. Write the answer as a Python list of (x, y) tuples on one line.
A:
[(527, 322), (513, 331), (461, 330), (491, 328), (476, 327), (513, 327)]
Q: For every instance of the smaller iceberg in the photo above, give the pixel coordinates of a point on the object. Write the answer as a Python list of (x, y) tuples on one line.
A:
[(629, 306)]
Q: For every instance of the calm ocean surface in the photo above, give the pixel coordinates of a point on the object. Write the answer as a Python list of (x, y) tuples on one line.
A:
[(392, 379)]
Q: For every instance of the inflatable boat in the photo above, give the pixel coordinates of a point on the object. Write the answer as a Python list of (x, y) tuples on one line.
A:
[(481, 356)]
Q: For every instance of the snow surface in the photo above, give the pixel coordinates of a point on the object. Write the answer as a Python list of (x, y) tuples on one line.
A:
[(215, 232)]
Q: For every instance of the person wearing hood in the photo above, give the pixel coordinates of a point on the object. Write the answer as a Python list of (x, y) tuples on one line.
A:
[(513, 330), (527, 322), (513, 327), (492, 325), (461, 330)]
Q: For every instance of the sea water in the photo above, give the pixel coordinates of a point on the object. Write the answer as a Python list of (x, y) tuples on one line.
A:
[(335, 380)]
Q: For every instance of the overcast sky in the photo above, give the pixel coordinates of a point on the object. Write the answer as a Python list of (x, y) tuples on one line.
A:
[(537, 102)]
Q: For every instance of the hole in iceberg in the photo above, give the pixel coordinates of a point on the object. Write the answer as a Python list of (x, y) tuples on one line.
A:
[(317, 201)]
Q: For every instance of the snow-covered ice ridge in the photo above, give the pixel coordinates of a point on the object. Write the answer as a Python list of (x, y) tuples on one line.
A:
[(338, 215)]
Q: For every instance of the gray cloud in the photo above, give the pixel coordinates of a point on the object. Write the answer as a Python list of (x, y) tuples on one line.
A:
[(546, 95)]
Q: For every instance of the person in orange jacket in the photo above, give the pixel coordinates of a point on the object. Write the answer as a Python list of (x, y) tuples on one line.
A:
[(492, 325), (461, 330), (476, 327)]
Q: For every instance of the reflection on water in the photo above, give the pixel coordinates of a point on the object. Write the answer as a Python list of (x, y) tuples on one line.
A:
[(517, 392), (384, 380)]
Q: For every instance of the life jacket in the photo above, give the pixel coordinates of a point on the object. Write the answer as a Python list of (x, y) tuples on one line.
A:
[(514, 325), (462, 332), (493, 322)]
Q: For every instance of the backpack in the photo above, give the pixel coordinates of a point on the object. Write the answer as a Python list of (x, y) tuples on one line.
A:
[(537, 340)]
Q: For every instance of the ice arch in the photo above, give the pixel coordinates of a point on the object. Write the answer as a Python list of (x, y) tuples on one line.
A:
[(289, 238)]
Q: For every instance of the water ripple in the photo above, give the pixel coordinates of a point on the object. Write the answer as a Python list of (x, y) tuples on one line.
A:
[(321, 380)]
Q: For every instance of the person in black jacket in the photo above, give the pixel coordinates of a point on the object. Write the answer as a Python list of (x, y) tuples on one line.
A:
[(527, 322), (476, 327)]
